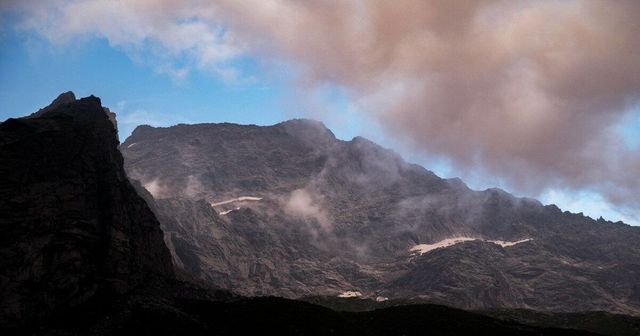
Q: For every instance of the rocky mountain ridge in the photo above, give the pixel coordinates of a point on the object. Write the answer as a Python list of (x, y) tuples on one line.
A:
[(82, 253), (343, 216)]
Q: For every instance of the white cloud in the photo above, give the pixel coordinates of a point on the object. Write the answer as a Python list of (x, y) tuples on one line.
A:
[(303, 204), (171, 36), (528, 91)]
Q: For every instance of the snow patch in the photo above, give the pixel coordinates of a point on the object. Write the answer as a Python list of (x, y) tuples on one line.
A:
[(509, 244), (424, 248), (381, 298), (222, 213), (131, 145), (237, 199), (349, 294)]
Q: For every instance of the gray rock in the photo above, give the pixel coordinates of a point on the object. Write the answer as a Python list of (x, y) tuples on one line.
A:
[(343, 215)]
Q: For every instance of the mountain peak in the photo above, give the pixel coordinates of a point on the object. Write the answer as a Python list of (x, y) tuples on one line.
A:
[(63, 105), (363, 140), (65, 97), (62, 99), (87, 232), (309, 131), (303, 122)]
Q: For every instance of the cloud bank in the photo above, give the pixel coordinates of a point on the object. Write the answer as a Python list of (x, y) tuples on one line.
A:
[(530, 91)]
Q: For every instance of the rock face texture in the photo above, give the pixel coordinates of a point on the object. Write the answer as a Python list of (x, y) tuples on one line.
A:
[(72, 227), (81, 253), (290, 210)]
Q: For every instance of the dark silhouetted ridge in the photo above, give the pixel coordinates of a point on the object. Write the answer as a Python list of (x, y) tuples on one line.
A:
[(73, 228)]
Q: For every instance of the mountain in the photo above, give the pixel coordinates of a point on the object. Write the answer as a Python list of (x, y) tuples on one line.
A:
[(82, 253), (73, 228), (290, 210)]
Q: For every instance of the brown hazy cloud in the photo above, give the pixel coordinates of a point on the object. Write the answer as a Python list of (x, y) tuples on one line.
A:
[(529, 91)]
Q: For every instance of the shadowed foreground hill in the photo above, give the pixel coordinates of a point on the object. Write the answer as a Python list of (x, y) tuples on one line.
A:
[(82, 254), (72, 227)]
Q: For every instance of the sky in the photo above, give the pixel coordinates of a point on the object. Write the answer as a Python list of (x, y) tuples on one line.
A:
[(541, 98)]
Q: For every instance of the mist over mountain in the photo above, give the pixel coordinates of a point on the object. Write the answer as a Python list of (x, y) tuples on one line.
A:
[(289, 210), (83, 254), (229, 185)]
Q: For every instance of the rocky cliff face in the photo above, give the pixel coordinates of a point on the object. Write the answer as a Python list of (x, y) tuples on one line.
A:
[(81, 252), (290, 210), (72, 226)]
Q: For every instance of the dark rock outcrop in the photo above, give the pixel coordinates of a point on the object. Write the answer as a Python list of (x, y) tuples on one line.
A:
[(72, 227), (64, 98)]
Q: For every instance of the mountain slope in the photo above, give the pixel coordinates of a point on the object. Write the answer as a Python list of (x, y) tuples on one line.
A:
[(82, 253), (290, 210)]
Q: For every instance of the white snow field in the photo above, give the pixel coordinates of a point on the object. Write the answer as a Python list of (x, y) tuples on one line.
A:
[(222, 213), (237, 199), (424, 248), (349, 294)]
